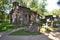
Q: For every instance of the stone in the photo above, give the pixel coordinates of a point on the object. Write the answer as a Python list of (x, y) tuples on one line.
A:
[(33, 28)]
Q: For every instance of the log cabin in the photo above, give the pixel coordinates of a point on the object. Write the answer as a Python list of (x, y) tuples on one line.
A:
[(20, 15)]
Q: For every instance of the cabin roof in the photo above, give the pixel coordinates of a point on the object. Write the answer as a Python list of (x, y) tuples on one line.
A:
[(28, 9)]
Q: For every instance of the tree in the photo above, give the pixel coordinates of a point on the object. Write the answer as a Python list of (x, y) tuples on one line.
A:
[(3, 4), (55, 12), (38, 6), (2, 16), (58, 2)]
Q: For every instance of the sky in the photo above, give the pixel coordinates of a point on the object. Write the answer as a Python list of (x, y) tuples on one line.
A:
[(52, 4)]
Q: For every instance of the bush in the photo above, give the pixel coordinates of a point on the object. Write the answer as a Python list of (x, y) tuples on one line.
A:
[(5, 26), (57, 22)]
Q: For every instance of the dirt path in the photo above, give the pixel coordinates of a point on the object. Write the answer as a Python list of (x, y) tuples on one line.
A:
[(30, 37), (55, 35), (6, 36)]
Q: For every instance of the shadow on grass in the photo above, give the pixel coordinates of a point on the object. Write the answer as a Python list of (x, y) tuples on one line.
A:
[(24, 32)]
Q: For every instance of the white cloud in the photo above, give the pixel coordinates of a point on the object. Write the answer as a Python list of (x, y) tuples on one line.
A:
[(52, 4)]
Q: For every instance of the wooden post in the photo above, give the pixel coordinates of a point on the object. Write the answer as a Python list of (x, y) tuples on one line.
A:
[(27, 18), (34, 18), (51, 23)]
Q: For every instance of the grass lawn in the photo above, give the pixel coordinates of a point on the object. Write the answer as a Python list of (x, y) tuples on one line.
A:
[(23, 32)]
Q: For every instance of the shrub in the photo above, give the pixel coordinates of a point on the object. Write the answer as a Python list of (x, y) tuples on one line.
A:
[(58, 21), (5, 26)]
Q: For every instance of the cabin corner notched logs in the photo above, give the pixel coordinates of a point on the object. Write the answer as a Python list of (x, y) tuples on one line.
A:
[(21, 15)]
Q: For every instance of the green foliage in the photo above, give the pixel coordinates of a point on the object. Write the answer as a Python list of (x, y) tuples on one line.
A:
[(55, 12), (34, 4), (57, 22), (3, 4), (5, 26), (39, 7), (2, 16)]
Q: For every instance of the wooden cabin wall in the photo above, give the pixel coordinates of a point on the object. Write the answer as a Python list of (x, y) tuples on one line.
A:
[(24, 16)]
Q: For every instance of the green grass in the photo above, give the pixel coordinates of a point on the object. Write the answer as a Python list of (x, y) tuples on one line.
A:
[(24, 32)]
